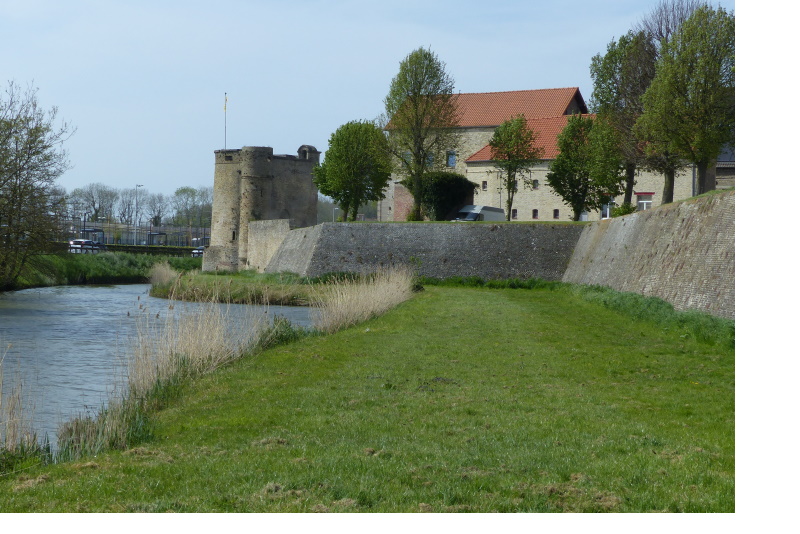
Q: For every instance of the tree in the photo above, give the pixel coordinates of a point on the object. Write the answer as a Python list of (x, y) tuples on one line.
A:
[(356, 168), (665, 19), (689, 108), (156, 207), (514, 152), (98, 200), (31, 159), (444, 192), (422, 115), (621, 77), (659, 25), (184, 203), (575, 174)]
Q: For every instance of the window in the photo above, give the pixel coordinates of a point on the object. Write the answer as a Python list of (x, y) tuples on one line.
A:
[(451, 158), (535, 214), (514, 213), (536, 184), (555, 214), (484, 185), (644, 201)]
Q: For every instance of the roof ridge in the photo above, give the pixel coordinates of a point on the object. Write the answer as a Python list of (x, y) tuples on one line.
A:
[(517, 91)]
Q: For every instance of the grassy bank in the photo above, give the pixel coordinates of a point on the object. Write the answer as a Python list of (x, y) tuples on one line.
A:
[(109, 268), (461, 399)]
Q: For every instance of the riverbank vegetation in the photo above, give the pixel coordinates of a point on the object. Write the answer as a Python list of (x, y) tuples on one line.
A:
[(460, 399), (75, 269)]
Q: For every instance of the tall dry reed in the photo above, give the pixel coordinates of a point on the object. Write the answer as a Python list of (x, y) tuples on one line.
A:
[(16, 434), (162, 274), (167, 350), (343, 303)]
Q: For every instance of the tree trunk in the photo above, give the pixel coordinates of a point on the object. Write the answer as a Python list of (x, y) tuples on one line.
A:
[(706, 176), (630, 175), (669, 187)]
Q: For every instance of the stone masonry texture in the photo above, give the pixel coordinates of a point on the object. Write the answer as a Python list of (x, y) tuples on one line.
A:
[(683, 253), (441, 250)]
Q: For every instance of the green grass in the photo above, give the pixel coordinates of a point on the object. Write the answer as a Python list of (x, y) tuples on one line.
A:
[(462, 399)]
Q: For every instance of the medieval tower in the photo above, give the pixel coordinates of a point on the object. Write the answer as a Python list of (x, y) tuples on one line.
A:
[(253, 184)]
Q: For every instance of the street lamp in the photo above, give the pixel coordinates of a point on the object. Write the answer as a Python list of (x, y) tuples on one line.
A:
[(334, 214), (136, 217)]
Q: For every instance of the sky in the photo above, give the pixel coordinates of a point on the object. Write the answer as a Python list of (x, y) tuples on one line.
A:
[(144, 82)]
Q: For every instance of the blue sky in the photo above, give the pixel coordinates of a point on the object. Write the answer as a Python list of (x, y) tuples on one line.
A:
[(144, 82)]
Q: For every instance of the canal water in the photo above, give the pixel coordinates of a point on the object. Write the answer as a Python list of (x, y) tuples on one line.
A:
[(69, 345)]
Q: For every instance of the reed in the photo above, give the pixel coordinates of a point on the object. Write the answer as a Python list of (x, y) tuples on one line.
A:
[(19, 445), (167, 351), (345, 302), (185, 345)]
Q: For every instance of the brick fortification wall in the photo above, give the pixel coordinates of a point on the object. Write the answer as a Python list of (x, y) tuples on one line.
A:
[(683, 253), (439, 250)]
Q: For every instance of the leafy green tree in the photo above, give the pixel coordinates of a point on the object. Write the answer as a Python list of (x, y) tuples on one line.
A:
[(444, 192), (421, 117), (356, 168), (621, 77), (515, 152), (31, 159), (689, 108), (659, 25), (575, 174)]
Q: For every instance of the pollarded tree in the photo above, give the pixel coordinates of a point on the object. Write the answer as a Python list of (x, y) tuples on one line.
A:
[(514, 152), (356, 167), (689, 108), (31, 159), (576, 175), (421, 116)]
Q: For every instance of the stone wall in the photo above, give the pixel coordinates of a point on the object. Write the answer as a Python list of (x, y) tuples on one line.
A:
[(439, 250), (683, 253)]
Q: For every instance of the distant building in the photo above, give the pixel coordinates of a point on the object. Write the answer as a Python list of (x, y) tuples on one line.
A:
[(547, 112)]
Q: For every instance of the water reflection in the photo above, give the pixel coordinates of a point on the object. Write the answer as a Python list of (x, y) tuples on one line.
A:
[(69, 344)]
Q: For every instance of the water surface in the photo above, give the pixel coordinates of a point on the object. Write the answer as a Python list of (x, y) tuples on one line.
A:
[(69, 344)]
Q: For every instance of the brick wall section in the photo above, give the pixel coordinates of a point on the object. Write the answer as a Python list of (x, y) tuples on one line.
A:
[(683, 253), (490, 251)]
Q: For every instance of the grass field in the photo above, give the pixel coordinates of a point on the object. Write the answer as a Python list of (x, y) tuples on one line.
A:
[(461, 399)]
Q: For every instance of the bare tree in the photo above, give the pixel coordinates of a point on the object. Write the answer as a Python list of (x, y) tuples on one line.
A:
[(156, 207), (665, 19), (98, 199)]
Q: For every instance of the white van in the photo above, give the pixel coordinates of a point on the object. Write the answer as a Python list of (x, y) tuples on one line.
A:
[(480, 213)]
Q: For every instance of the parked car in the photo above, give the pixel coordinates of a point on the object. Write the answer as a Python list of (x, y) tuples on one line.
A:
[(480, 213), (86, 246), (198, 252)]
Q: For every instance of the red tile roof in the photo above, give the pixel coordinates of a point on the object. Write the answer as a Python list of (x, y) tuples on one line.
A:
[(548, 130), (492, 109)]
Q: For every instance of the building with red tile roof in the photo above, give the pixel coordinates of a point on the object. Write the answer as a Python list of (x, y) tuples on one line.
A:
[(547, 112)]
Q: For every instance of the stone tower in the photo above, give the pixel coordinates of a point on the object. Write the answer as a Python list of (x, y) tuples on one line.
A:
[(253, 184)]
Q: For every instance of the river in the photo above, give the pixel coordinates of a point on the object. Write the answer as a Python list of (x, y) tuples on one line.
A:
[(69, 345)]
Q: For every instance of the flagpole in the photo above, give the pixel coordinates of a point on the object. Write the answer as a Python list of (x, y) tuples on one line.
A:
[(225, 110)]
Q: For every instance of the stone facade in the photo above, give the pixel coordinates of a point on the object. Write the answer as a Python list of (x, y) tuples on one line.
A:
[(253, 184)]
